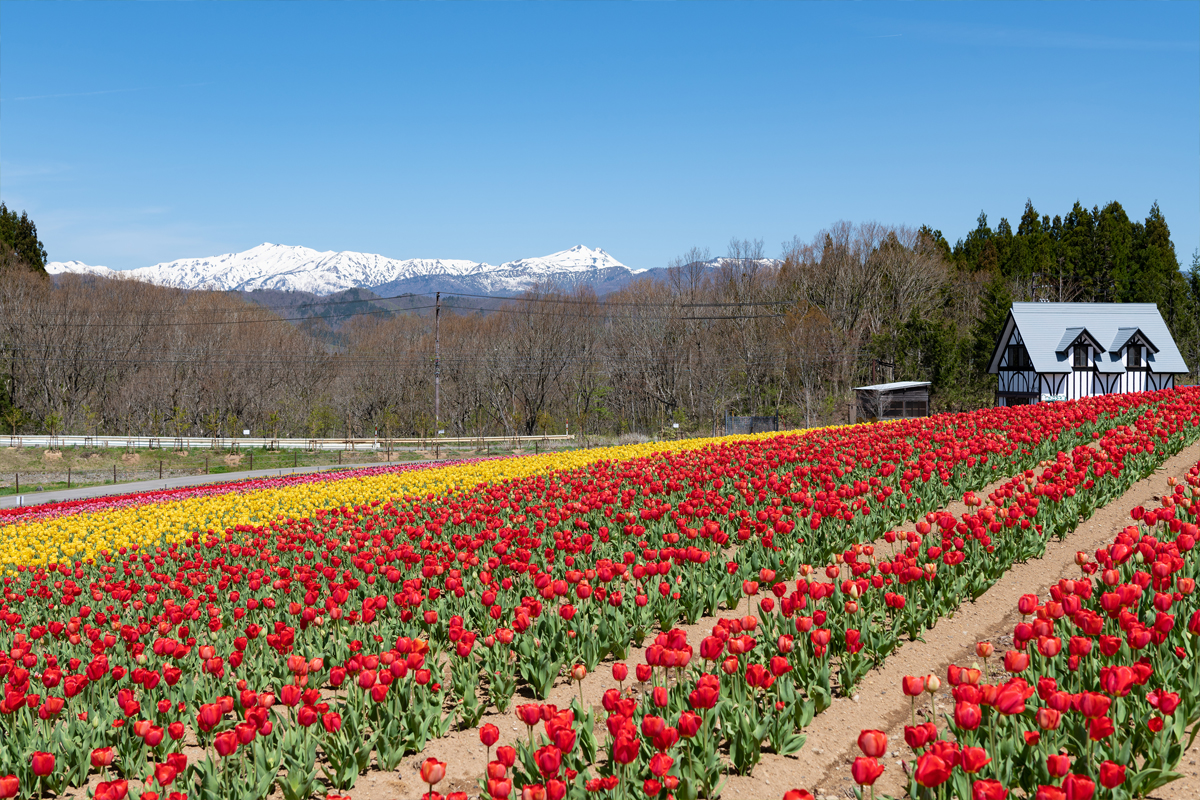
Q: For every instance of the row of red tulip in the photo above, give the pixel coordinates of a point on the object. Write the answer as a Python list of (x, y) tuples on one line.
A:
[(1113, 707)]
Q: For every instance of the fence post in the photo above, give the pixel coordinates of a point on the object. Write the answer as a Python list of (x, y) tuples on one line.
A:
[(114, 473), (18, 476), (206, 465), (160, 469), (68, 477), (251, 459)]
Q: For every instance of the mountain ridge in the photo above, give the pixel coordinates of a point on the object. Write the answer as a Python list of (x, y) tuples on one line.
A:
[(296, 268)]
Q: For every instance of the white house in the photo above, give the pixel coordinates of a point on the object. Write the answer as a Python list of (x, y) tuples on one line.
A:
[(1063, 351)]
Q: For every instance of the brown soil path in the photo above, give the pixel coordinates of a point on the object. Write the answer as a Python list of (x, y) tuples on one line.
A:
[(824, 763)]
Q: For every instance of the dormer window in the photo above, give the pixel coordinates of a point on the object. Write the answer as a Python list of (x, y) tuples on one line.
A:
[(1081, 356), (1135, 356), (1018, 357)]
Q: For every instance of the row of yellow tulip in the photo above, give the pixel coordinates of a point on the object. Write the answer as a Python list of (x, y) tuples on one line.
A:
[(80, 536)]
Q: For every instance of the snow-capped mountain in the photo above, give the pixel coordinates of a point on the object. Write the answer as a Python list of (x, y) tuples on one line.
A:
[(288, 268)]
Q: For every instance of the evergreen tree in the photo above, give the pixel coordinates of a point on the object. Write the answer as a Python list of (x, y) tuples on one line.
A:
[(19, 235)]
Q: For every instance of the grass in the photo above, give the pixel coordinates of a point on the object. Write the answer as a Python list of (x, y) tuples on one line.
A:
[(43, 470)]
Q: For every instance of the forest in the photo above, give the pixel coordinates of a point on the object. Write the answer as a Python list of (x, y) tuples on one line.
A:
[(787, 334)]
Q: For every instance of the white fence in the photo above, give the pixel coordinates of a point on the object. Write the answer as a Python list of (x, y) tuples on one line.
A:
[(228, 443)]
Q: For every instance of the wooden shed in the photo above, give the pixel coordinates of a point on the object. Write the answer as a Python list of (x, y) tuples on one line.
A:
[(900, 400)]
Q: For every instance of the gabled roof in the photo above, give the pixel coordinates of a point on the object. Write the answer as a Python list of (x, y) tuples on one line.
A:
[(1070, 335), (892, 387), (1125, 334), (1047, 327)]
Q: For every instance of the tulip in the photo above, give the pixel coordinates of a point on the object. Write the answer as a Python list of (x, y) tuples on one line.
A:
[(865, 771), (226, 743), (1016, 662), (931, 771), (103, 757), (164, 774), (967, 716), (988, 790), (1058, 765), (873, 743), (974, 759), (1112, 774), (10, 786), (42, 764), (1101, 728), (432, 772), (620, 672), (660, 763), (1079, 787), (1048, 719), (549, 761)]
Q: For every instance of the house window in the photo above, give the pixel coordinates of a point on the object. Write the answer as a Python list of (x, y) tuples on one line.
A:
[(1018, 357), (1081, 357), (1135, 356)]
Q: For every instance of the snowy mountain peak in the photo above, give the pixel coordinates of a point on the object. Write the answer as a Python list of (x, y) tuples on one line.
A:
[(293, 268)]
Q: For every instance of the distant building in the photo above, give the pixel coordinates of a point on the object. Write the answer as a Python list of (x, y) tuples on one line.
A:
[(1064, 351), (899, 400)]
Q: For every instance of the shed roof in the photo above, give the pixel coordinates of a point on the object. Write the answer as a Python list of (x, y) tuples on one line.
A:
[(1046, 327), (892, 387)]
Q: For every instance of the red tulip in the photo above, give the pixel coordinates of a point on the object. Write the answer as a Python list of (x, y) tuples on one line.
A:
[(432, 771), (620, 672), (548, 759), (42, 764), (967, 716), (974, 759), (1079, 787), (865, 770), (1112, 774), (103, 757), (1058, 765), (10, 786), (988, 790), (797, 794), (913, 686), (1016, 662), (226, 743), (489, 734), (164, 774), (660, 763), (931, 771), (1100, 728), (873, 743)]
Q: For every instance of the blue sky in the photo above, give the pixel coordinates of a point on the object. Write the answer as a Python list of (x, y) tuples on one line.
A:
[(135, 133)]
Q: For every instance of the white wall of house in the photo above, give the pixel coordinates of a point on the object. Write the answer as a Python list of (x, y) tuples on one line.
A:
[(1019, 384)]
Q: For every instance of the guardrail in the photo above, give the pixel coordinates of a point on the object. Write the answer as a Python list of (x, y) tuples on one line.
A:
[(229, 443)]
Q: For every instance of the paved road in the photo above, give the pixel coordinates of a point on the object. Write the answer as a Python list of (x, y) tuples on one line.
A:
[(37, 498)]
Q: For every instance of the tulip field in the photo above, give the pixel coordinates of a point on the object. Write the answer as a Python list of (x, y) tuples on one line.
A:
[(283, 638)]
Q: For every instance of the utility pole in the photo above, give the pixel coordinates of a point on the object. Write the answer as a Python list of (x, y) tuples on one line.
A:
[(437, 363)]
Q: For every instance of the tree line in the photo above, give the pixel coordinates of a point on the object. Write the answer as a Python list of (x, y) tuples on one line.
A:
[(745, 334)]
